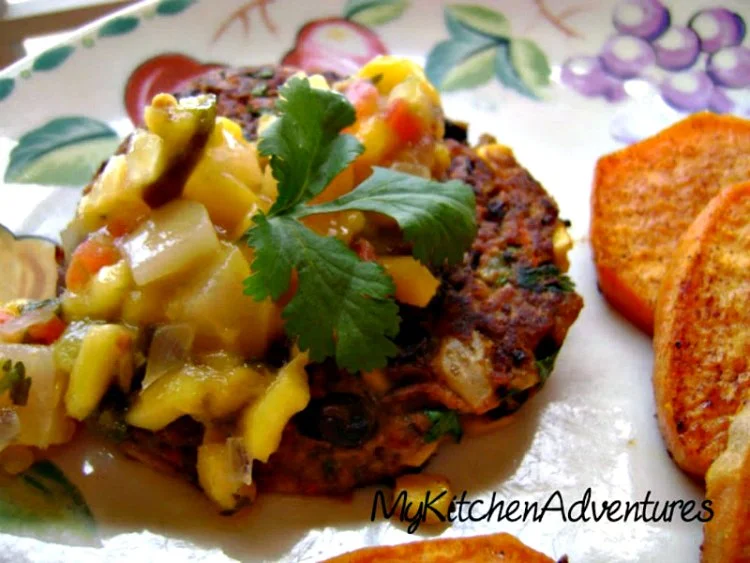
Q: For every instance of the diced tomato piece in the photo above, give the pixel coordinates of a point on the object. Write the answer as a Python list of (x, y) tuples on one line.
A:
[(46, 333), (364, 249), (405, 123), (364, 96), (91, 256)]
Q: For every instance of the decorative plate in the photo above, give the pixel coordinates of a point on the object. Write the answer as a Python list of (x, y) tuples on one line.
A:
[(561, 82)]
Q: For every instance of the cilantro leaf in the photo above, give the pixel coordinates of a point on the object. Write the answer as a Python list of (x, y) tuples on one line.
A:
[(304, 143), (13, 378), (443, 422), (546, 277), (341, 307), (437, 218), (545, 366)]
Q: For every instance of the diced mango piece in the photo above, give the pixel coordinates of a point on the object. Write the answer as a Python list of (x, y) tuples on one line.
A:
[(68, 346), (213, 302), (379, 141), (263, 422), (146, 305), (199, 391), (106, 356), (179, 123), (220, 473), (392, 70), (102, 297), (114, 198), (415, 284), (342, 184), (174, 238), (227, 178)]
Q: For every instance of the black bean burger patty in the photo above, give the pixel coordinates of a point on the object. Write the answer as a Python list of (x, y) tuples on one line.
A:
[(484, 345)]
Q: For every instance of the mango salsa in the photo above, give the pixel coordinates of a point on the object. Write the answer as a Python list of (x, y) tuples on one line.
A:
[(263, 422)]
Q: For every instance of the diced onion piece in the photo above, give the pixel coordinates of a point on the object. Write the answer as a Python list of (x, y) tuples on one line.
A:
[(174, 238), (73, 235), (43, 420), (10, 427), (169, 351), (466, 369), (263, 422)]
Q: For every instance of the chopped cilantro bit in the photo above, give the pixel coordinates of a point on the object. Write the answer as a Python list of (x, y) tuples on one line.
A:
[(544, 278), (259, 90), (545, 355), (545, 366), (265, 72), (343, 307), (443, 422), (43, 304), (13, 378)]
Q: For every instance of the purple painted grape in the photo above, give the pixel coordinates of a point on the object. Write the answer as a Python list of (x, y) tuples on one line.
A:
[(626, 57), (587, 77), (720, 102), (730, 67), (677, 49), (646, 19), (688, 91), (718, 28)]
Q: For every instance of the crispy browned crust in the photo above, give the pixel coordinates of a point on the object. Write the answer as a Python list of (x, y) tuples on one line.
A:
[(493, 548), (646, 195), (702, 332), (521, 319), (726, 537)]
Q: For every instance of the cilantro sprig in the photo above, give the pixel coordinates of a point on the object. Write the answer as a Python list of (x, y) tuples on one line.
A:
[(13, 377), (343, 306)]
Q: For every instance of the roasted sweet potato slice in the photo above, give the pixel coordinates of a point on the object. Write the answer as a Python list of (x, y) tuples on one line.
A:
[(726, 537), (494, 548), (702, 332), (646, 195)]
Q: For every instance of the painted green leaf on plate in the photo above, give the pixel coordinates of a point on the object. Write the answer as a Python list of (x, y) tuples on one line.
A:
[(41, 502), (6, 87), (374, 12), (530, 63), (466, 20), (119, 26), (522, 66), (53, 58), (65, 151), (171, 7), (452, 64)]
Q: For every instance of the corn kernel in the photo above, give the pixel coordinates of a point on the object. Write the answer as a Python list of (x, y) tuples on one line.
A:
[(424, 488), (561, 245)]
